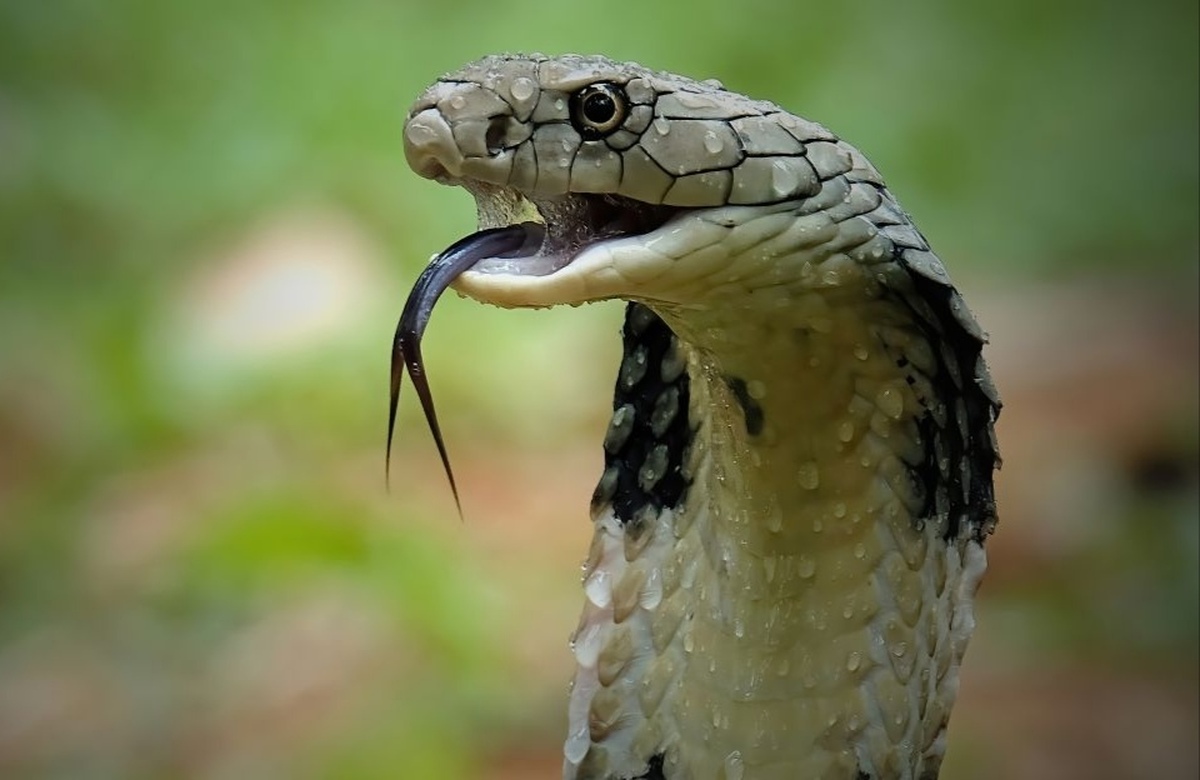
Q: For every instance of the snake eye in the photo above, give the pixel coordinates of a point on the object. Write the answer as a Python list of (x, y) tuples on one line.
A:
[(597, 110)]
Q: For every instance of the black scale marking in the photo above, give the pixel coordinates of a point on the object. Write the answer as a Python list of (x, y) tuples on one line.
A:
[(654, 770), (646, 438), (968, 499), (751, 409)]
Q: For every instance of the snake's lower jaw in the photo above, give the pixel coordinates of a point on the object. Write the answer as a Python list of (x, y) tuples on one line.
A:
[(575, 270), (543, 280)]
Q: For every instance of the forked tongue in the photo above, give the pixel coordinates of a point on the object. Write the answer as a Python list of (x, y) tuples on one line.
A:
[(510, 241)]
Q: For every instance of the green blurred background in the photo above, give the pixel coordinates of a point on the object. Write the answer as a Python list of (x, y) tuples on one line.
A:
[(207, 231)]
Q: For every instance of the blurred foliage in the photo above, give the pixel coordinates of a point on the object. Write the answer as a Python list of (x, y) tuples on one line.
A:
[(166, 494)]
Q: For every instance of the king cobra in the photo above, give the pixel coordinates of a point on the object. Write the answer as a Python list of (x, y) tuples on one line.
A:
[(789, 528)]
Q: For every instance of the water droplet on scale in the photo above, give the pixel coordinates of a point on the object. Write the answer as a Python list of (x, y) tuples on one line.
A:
[(522, 89), (458, 102), (661, 126), (577, 744), (598, 588), (712, 142), (651, 593), (890, 402), (809, 476), (785, 179), (734, 767), (775, 520)]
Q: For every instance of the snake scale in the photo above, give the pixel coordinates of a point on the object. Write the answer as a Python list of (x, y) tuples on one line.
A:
[(798, 474)]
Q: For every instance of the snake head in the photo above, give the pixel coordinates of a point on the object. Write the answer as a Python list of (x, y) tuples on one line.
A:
[(613, 159)]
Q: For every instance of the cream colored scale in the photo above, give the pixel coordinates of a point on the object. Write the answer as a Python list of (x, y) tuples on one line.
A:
[(803, 610)]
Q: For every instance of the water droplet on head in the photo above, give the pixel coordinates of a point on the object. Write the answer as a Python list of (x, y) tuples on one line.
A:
[(419, 134), (712, 142), (661, 126), (785, 178), (860, 551), (860, 352), (458, 102), (522, 89), (854, 660)]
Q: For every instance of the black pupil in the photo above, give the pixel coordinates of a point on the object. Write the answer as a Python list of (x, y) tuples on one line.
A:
[(598, 107)]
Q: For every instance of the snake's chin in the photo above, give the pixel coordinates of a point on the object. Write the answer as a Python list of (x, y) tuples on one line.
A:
[(559, 228)]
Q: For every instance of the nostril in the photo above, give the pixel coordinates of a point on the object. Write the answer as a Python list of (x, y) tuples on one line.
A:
[(497, 132)]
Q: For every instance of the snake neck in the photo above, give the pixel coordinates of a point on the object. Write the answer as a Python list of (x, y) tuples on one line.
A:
[(769, 549)]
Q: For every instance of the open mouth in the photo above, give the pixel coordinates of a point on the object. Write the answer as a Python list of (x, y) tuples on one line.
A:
[(570, 224), (519, 236)]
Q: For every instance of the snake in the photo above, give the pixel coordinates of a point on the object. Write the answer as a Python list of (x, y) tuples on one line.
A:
[(789, 529)]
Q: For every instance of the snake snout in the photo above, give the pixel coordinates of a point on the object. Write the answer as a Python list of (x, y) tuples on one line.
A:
[(430, 148)]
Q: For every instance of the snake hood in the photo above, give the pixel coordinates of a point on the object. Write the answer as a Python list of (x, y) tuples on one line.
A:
[(797, 478)]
